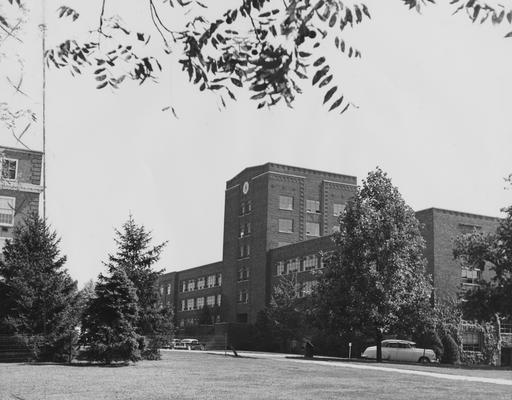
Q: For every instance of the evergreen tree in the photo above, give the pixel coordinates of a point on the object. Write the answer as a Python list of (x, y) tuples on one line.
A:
[(37, 293), (136, 256), (108, 326), (374, 282)]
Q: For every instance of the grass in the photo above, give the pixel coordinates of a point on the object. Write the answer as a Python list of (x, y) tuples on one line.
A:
[(196, 375)]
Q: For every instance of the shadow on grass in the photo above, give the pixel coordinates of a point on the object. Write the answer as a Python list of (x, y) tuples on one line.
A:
[(81, 364), (385, 362)]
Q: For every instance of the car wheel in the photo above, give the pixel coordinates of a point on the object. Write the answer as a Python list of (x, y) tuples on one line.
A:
[(203, 347), (424, 360)]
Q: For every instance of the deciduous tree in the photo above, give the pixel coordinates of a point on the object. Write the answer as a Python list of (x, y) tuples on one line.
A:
[(375, 282)]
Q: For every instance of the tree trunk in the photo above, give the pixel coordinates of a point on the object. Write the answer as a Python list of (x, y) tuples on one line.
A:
[(378, 336)]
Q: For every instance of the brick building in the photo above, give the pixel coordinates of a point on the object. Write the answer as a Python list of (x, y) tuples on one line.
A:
[(20, 186), (277, 221)]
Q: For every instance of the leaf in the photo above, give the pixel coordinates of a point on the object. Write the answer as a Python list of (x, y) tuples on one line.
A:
[(4, 22), (365, 11), (332, 21), (258, 96), (336, 103), (236, 82), (508, 35), (140, 36), (304, 54), (318, 62), (345, 109), (325, 81), (319, 74), (102, 85), (329, 94)]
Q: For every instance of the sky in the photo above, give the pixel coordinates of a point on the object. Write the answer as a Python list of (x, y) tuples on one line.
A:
[(433, 91)]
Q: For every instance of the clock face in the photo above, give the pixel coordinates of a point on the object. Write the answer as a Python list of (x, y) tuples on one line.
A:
[(245, 188)]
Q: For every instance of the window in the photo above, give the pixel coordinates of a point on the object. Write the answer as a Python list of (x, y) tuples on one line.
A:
[(190, 304), (243, 273), (338, 209), (182, 323), (219, 279), (219, 296), (245, 229), (307, 288), (211, 281), (200, 302), (335, 228), (310, 262), (294, 265), (313, 206), (7, 211), (467, 228), (191, 285), (168, 288), (183, 286), (200, 283), (9, 168), (470, 341), (470, 275), (243, 296), (285, 225), (245, 250), (280, 268), (312, 229), (161, 290), (285, 203), (245, 207), (183, 305), (210, 301)]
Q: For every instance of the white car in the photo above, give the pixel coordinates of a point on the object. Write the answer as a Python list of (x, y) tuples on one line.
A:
[(189, 344), (401, 350)]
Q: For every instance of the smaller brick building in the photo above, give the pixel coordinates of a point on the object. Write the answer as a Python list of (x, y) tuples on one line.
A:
[(20, 186)]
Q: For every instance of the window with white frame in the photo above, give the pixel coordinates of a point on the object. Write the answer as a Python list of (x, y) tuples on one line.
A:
[(190, 304), (183, 305), (200, 302), (285, 225), (337, 209), (243, 296), (312, 229), (219, 279), (280, 268), (313, 206), (168, 288), (161, 290), (210, 301), (7, 208), (245, 250), (183, 286), (243, 273), (200, 283), (471, 340), (310, 262), (219, 297), (245, 229), (9, 169), (470, 275), (285, 203), (294, 265), (191, 285), (210, 281)]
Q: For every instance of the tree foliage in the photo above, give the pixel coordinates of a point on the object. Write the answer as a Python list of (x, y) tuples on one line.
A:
[(270, 48), (136, 257), (38, 295), (109, 321), (493, 251), (375, 282)]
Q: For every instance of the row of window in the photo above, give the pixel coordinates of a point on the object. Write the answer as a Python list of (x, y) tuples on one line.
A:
[(312, 206), (9, 168), (7, 209), (293, 265), (201, 283), (194, 321), (286, 226), (199, 302)]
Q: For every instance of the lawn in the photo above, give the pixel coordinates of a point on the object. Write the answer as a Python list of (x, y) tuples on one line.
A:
[(197, 375)]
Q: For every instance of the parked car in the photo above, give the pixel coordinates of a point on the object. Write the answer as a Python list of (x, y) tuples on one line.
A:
[(173, 343), (189, 344), (401, 350)]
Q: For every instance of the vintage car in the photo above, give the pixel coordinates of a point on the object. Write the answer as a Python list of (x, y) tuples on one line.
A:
[(401, 350), (189, 344)]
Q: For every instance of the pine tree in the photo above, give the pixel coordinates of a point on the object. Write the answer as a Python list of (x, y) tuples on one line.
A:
[(375, 282), (38, 292), (108, 326), (136, 256)]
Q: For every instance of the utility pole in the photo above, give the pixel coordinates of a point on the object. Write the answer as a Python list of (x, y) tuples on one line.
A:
[(43, 31)]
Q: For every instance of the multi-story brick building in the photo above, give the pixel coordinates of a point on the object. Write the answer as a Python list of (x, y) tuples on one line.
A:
[(277, 221), (20, 186)]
